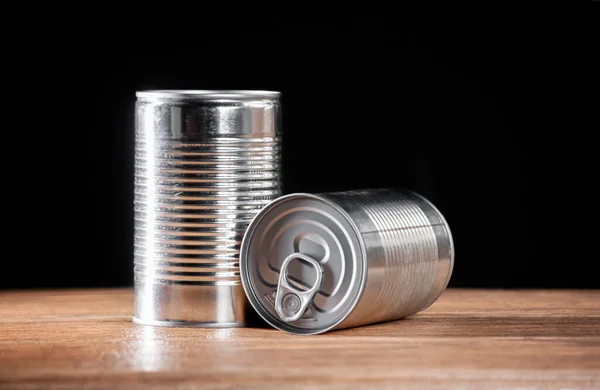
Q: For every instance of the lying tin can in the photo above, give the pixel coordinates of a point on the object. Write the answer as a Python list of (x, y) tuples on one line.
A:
[(312, 263), (205, 163)]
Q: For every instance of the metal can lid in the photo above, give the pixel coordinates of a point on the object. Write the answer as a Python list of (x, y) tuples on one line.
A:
[(303, 264), (210, 95)]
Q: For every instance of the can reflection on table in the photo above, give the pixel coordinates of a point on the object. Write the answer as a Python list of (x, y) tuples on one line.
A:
[(311, 263), (205, 163)]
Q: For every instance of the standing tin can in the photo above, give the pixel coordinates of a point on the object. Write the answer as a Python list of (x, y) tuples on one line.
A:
[(205, 163), (312, 263)]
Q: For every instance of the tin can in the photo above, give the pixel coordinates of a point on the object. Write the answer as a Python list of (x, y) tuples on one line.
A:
[(312, 263), (205, 163)]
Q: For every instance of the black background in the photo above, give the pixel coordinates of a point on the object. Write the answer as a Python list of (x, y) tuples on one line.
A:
[(491, 117)]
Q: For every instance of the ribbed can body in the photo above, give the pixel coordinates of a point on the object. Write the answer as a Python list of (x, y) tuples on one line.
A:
[(409, 251), (205, 163)]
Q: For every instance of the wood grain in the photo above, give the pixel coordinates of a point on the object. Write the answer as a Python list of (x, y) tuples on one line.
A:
[(467, 339)]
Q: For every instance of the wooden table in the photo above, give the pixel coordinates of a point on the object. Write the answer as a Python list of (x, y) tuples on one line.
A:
[(469, 338)]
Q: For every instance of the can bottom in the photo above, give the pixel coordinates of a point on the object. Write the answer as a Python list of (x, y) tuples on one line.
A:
[(189, 324), (190, 305)]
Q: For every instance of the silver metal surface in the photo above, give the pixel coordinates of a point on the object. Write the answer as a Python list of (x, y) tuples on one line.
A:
[(207, 95), (205, 163), (384, 254)]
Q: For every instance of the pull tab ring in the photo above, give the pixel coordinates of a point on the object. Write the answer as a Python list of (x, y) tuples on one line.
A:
[(291, 303)]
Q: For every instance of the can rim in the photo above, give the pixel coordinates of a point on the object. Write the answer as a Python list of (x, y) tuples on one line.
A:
[(451, 244), (208, 94), (246, 283)]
